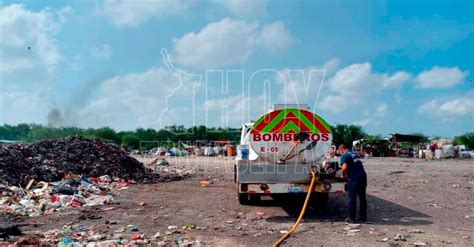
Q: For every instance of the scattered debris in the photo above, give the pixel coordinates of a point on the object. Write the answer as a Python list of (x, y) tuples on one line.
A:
[(172, 227), (352, 227), (189, 227), (395, 172), (419, 243), (399, 237), (72, 192), (415, 231), (159, 162), (205, 182)]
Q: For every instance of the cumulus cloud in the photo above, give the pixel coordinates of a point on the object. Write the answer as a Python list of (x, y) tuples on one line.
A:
[(397, 79), (139, 96), (440, 77), (357, 79), (28, 56), (304, 85), (28, 43), (235, 110), (141, 101), (129, 13), (102, 52), (442, 108), (246, 7), (363, 122), (337, 103), (22, 107), (275, 36), (228, 42), (373, 117), (350, 85), (381, 111)]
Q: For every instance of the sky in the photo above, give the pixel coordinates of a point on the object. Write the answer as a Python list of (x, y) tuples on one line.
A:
[(388, 66)]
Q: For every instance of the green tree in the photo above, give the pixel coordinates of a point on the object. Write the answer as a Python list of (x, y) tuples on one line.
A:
[(107, 134), (466, 139), (131, 141), (346, 134)]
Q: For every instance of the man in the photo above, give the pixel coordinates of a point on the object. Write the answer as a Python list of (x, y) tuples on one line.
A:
[(353, 170)]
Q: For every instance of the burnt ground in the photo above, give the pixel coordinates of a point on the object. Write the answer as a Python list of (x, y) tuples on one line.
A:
[(429, 201)]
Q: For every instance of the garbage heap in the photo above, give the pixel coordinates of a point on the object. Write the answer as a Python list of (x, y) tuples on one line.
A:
[(168, 172), (73, 191), (51, 160)]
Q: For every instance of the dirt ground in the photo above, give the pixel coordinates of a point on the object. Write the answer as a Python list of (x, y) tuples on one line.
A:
[(428, 201)]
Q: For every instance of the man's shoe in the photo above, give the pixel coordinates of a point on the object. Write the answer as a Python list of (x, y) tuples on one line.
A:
[(362, 219), (349, 220)]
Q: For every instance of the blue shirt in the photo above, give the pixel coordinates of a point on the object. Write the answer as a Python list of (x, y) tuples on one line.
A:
[(355, 169)]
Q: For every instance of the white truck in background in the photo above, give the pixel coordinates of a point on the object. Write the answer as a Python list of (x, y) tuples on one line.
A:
[(278, 152)]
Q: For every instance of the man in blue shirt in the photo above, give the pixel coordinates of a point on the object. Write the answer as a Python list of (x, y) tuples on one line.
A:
[(353, 170)]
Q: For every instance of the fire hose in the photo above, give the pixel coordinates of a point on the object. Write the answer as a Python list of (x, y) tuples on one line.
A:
[(303, 210)]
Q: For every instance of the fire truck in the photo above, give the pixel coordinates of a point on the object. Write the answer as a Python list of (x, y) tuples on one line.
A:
[(282, 151)]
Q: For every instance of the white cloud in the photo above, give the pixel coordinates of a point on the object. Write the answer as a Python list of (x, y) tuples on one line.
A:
[(354, 83), (28, 57), (337, 103), (235, 110), (381, 111), (373, 117), (129, 13), (363, 122), (137, 96), (360, 79), (102, 52), (440, 77), (456, 107), (22, 107), (397, 79), (228, 42), (246, 7), (303, 85), (275, 36), (28, 44)]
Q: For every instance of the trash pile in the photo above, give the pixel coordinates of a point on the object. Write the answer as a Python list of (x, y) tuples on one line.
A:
[(168, 172), (444, 148), (51, 160), (77, 234), (51, 197)]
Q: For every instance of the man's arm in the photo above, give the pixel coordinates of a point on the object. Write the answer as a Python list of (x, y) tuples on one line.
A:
[(345, 165), (344, 170)]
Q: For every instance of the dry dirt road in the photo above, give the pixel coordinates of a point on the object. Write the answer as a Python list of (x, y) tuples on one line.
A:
[(428, 201)]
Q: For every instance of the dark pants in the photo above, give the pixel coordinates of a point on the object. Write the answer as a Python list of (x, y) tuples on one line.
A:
[(357, 188)]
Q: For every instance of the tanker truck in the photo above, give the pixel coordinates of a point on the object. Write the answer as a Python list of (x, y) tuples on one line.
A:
[(281, 152)]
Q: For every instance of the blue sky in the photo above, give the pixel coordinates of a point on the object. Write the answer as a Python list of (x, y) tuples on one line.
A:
[(394, 66)]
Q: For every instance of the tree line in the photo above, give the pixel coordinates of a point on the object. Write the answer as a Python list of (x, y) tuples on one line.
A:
[(342, 134)]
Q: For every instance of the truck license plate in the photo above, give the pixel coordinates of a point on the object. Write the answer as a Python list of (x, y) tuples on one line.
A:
[(296, 189)]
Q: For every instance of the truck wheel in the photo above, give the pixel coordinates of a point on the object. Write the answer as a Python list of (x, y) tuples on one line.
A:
[(244, 199)]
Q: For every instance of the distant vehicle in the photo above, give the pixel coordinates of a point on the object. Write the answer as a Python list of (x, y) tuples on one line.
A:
[(284, 146)]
